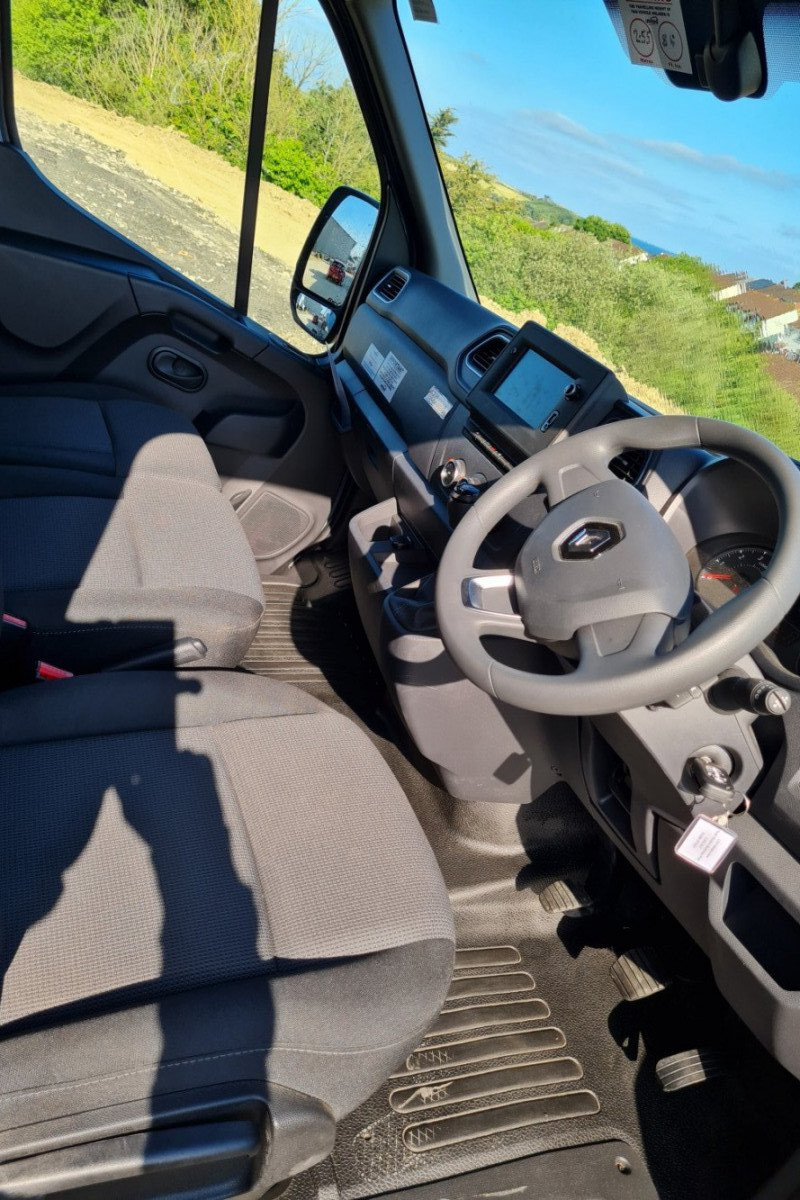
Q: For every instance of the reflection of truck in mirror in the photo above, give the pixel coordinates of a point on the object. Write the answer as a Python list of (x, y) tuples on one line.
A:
[(335, 242), (336, 272)]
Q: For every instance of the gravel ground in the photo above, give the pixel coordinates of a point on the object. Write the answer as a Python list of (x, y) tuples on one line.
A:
[(163, 221)]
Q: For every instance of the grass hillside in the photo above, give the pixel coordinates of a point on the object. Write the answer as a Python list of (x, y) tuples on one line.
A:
[(542, 208), (538, 208)]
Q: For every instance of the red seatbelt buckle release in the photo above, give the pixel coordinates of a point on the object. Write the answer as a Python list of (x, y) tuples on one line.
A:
[(17, 622), (45, 670)]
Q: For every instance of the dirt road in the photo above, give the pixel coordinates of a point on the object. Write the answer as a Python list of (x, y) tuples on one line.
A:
[(178, 201)]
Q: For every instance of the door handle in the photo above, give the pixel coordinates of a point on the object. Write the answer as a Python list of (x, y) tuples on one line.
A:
[(176, 369)]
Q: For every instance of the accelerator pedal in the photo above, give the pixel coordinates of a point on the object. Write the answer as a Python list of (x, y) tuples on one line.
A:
[(639, 973), (568, 899), (689, 1068)]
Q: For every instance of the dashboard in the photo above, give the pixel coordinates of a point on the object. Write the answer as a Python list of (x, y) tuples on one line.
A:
[(468, 397), (441, 393), (433, 379)]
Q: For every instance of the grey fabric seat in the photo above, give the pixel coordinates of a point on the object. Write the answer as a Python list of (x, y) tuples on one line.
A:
[(100, 579), (114, 535), (85, 439), (206, 881)]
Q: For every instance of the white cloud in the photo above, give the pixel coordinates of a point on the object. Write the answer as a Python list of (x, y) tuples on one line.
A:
[(556, 122), (541, 142), (719, 164)]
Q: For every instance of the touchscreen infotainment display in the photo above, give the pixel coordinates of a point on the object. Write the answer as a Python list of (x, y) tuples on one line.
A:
[(533, 388)]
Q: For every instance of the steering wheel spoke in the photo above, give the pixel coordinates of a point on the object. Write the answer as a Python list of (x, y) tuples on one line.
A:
[(490, 601), (564, 479), (598, 658)]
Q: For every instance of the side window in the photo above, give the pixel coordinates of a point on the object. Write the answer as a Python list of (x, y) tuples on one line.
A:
[(316, 141), (139, 111)]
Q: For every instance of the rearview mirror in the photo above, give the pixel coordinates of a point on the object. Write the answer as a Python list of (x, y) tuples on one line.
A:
[(330, 261), (709, 45)]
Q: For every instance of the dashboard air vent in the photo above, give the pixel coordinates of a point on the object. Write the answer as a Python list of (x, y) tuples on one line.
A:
[(487, 352), (391, 286), (631, 464)]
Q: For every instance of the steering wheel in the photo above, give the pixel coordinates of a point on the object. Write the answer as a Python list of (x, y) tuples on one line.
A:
[(603, 579)]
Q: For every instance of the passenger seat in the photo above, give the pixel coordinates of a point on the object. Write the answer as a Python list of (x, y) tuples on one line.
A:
[(114, 536), (85, 439)]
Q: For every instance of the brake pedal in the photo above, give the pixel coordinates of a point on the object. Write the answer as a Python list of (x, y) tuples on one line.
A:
[(639, 973), (690, 1068), (569, 899)]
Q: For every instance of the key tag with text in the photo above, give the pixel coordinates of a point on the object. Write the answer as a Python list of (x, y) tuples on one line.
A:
[(705, 844)]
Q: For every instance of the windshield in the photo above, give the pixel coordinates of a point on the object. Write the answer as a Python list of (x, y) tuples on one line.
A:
[(658, 229)]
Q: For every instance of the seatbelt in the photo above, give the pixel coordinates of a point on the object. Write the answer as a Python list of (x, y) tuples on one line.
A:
[(255, 152), (16, 664)]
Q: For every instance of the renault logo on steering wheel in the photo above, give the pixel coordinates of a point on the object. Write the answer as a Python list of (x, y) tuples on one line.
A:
[(591, 540)]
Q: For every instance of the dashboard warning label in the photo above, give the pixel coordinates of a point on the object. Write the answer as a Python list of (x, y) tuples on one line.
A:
[(372, 361), (656, 34), (438, 402), (390, 376)]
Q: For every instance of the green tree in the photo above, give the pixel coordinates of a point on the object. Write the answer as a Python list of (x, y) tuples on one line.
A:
[(601, 229), (467, 181), (442, 124), (332, 130), (58, 40), (289, 166)]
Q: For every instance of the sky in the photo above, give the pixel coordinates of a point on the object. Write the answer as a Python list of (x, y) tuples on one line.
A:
[(358, 219), (547, 98)]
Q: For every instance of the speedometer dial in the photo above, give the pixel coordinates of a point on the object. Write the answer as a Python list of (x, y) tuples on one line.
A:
[(723, 571), (730, 572)]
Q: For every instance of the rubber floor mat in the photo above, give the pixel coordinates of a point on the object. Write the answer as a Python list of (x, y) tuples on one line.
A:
[(493, 1067), (318, 645), (421, 1097), (506, 1044), (489, 1013), (486, 956), (465, 987), (497, 1118), (610, 1170)]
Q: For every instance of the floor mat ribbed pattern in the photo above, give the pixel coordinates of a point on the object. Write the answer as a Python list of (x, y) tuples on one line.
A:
[(493, 1065), (296, 642), (318, 645)]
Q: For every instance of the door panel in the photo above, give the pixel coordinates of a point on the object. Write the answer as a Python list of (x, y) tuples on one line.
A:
[(54, 319), (77, 302)]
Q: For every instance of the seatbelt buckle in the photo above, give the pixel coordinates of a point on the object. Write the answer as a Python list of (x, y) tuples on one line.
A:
[(14, 622), (45, 670)]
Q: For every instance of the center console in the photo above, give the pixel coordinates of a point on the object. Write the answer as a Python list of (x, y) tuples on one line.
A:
[(538, 388), (425, 467)]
